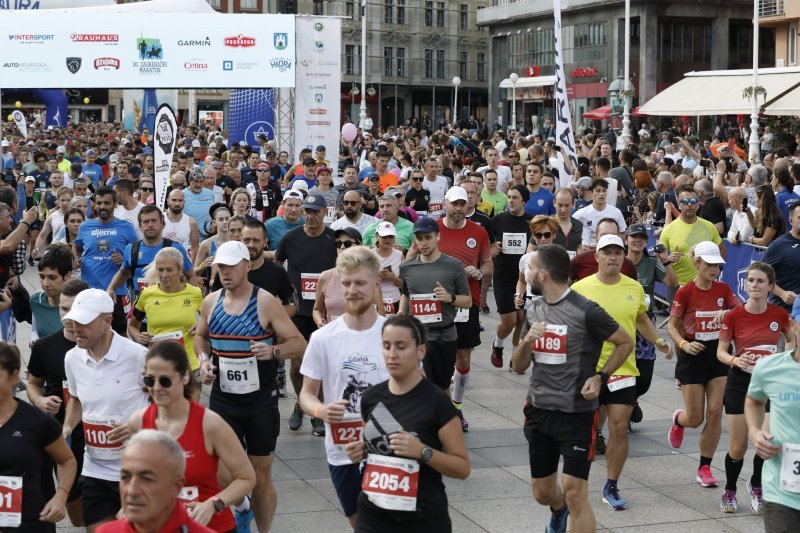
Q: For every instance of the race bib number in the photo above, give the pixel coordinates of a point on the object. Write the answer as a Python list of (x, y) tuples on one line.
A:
[(330, 216), (308, 286), (238, 376), (426, 308), (514, 243), (707, 328), (551, 348), (616, 383), (435, 208), (348, 430), (760, 352), (391, 482), (65, 392), (169, 336), (10, 501), (388, 306), (126, 304), (189, 495), (95, 430), (141, 284), (462, 315), (790, 468)]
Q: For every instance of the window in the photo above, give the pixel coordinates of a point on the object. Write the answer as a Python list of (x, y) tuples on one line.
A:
[(388, 11), (463, 16), (214, 3), (247, 4), (688, 42), (350, 9), (792, 44), (388, 61), (319, 7), (352, 59), (401, 11), (428, 14), (428, 63), (440, 14), (401, 62), (585, 42), (480, 66), (440, 68), (462, 65)]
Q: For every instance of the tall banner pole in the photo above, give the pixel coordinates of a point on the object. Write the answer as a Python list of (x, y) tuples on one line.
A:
[(165, 135), (19, 120), (565, 137)]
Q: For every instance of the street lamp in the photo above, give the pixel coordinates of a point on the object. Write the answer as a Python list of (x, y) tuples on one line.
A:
[(514, 79), (362, 115), (755, 144), (456, 83), (626, 110), (619, 92), (353, 93)]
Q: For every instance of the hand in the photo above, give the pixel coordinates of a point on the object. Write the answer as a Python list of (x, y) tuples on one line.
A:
[(355, 450), (193, 329), (201, 511), (664, 347), (49, 404), (263, 352), (322, 322), (13, 283), (333, 412), (761, 441), (66, 432), (693, 348), (519, 300), (472, 272), (119, 434), (208, 261), (145, 338), (591, 388), (386, 275), (721, 167), (742, 362), (31, 215), (789, 297), (207, 372), (441, 293), (54, 510), (116, 257), (717, 320), (405, 444), (675, 256), (535, 333)]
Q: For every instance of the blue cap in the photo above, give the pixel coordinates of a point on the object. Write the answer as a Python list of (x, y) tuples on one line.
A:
[(426, 225), (795, 314), (147, 150), (315, 202)]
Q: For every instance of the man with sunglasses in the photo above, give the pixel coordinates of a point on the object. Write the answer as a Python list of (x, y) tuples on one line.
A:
[(350, 183), (418, 197), (680, 235), (353, 216), (197, 202), (265, 195), (309, 173)]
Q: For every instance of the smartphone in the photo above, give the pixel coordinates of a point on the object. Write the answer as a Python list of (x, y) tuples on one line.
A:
[(387, 268), (744, 203), (731, 144)]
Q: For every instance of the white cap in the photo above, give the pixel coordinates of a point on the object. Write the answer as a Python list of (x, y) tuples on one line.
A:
[(455, 193), (88, 305), (708, 252), (293, 195), (195, 143), (610, 239), (300, 184), (231, 253), (60, 150), (4, 143), (386, 229), (114, 158), (29, 178)]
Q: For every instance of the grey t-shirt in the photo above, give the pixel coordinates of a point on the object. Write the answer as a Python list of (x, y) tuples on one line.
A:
[(648, 271), (420, 278), (557, 387)]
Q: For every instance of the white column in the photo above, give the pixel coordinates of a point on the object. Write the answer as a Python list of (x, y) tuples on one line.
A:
[(626, 113), (755, 144), (362, 115)]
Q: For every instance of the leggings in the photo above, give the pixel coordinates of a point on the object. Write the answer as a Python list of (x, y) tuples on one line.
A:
[(645, 377)]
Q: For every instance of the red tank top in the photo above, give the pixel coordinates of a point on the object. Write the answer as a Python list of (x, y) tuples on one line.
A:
[(201, 468)]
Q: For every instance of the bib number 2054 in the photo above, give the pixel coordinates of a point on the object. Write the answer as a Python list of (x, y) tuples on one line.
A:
[(391, 482)]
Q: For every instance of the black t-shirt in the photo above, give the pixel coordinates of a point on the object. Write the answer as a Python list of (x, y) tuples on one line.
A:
[(484, 221), (306, 255), (422, 411), (508, 264), (274, 280), (23, 440), (422, 197), (47, 362), (713, 211)]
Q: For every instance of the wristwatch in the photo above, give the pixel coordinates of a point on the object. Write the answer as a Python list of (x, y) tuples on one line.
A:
[(219, 505), (427, 454), (276, 353), (453, 300), (603, 377)]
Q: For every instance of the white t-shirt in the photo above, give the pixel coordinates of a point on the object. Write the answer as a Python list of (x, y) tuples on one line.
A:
[(503, 176), (109, 390), (591, 216), (437, 188), (361, 225), (741, 225), (389, 290), (347, 362), (131, 216)]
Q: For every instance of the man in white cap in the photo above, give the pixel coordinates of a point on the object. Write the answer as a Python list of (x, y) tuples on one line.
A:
[(4, 151), (623, 299), (104, 375), (247, 332)]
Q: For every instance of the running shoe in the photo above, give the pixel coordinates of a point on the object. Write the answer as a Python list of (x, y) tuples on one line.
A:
[(756, 498), (729, 503), (558, 521), (243, 520), (600, 444), (705, 478), (637, 414), (485, 309), (296, 420), (464, 423), (497, 356), (675, 435), (612, 498), (318, 427), (281, 380)]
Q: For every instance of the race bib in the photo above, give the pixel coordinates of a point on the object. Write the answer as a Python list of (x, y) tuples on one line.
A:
[(347, 430), (169, 336), (330, 216), (616, 383), (126, 304), (426, 308), (790, 468), (95, 430), (189, 495), (141, 284), (514, 243), (388, 306), (462, 315), (308, 286), (391, 482), (238, 376), (65, 392), (761, 351), (435, 208), (707, 329), (10, 501), (551, 348)]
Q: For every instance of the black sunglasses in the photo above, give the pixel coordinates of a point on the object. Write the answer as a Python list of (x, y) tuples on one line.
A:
[(416, 179), (147, 189), (345, 244), (262, 170), (545, 235), (150, 381)]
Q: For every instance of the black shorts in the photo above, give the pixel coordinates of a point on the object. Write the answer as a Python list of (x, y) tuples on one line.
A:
[(779, 518), (555, 434), (626, 396), (469, 332), (701, 368), (304, 324), (440, 362), (504, 295), (736, 391), (77, 444), (256, 424), (99, 499), (347, 482), (373, 519)]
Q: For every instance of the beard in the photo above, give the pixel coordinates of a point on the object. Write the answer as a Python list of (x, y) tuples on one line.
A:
[(357, 307), (350, 213)]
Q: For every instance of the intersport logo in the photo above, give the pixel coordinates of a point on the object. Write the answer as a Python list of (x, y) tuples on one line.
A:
[(240, 41)]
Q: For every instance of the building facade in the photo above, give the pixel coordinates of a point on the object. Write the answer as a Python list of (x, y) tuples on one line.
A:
[(784, 17)]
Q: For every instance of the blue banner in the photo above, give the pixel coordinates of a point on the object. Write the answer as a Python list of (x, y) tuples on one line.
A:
[(149, 110), (252, 113), (56, 106)]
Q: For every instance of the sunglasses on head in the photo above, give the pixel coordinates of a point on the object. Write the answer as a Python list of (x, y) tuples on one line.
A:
[(689, 201), (543, 235), (345, 244), (150, 381)]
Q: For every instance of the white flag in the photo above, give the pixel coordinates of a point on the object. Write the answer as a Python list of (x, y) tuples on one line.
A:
[(22, 124), (565, 137), (166, 128)]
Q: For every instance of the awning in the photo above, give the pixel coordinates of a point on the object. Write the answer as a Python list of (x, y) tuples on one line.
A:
[(538, 81), (604, 113), (789, 104), (719, 92)]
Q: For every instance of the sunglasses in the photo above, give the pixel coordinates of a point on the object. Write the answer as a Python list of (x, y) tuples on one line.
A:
[(147, 189), (689, 201), (545, 235), (150, 381), (262, 170), (345, 244), (352, 202), (417, 179)]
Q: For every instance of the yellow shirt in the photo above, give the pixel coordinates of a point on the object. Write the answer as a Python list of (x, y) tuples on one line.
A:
[(171, 312), (678, 236), (65, 166), (487, 208), (624, 301)]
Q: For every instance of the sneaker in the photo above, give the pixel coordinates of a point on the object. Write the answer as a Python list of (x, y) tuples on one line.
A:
[(281, 381), (705, 478), (485, 309), (636, 415), (296, 420), (729, 503), (612, 498), (497, 356), (243, 520), (558, 521), (464, 423), (480, 326), (600, 444), (756, 498), (675, 435), (317, 427)]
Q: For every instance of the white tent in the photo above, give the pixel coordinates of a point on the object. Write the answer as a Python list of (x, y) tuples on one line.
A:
[(150, 6)]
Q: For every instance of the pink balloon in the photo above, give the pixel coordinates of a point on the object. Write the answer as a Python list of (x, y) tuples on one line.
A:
[(349, 131), (395, 171)]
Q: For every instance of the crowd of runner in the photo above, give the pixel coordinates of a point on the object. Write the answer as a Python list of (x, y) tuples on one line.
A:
[(369, 294)]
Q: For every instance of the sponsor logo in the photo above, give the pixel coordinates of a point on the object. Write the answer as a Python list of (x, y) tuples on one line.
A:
[(321, 87), (106, 38), (106, 63), (240, 41), (318, 122), (318, 98), (318, 26), (720, 301), (471, 242), (193, 42), (280, 40), (28, 66), (317, 111), (227, 65), (254, 129), (195, 65), (319, 46), (151, 55), (773, 326), (31, 38), (74, 64), (280, 64), (318, 74), (305, 62)]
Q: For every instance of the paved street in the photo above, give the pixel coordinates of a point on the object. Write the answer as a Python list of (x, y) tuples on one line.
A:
[(657, 481)]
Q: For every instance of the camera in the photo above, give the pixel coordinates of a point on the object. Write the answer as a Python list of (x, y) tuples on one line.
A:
[(659, 248)]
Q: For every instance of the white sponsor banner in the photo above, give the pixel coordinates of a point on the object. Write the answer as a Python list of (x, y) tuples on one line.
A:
[(317, 92), (22, 124), (565, 137), (165, 135), (55, 50)]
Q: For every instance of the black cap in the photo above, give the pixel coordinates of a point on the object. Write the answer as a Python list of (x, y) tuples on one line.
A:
[(309, 161), (271, 154), (315, 202), (321, 148), (637, 229), (373, 176), (352, 232), (426, 225), (262, 137)]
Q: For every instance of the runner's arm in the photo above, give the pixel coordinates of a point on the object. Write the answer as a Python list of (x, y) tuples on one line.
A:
[(37, 397), (72, 416), (647, 329), (272, 316), (226, 446), (320, 313), (201, 343), (120, 278), (623, 346), (194, 238)]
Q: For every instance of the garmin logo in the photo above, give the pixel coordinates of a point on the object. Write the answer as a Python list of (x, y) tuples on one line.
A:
[(188, 42)]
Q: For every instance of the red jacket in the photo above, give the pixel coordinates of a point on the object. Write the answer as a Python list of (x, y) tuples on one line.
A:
[(179, 522)]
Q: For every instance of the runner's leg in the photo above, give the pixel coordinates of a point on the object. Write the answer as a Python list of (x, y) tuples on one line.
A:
[(709, 438), (694, 398), (265, 498), (617, 448), (576, 492)]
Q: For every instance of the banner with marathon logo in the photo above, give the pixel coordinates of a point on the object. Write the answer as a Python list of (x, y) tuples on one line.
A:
[(565, 137), (165, 134), (19, 120)]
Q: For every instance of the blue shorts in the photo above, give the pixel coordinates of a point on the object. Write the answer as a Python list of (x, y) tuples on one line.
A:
[(347, 482)]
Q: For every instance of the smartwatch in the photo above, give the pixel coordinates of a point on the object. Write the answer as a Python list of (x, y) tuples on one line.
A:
[(603, 377), (427, 454), (276, 353), (219, 505), (453, 299)]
